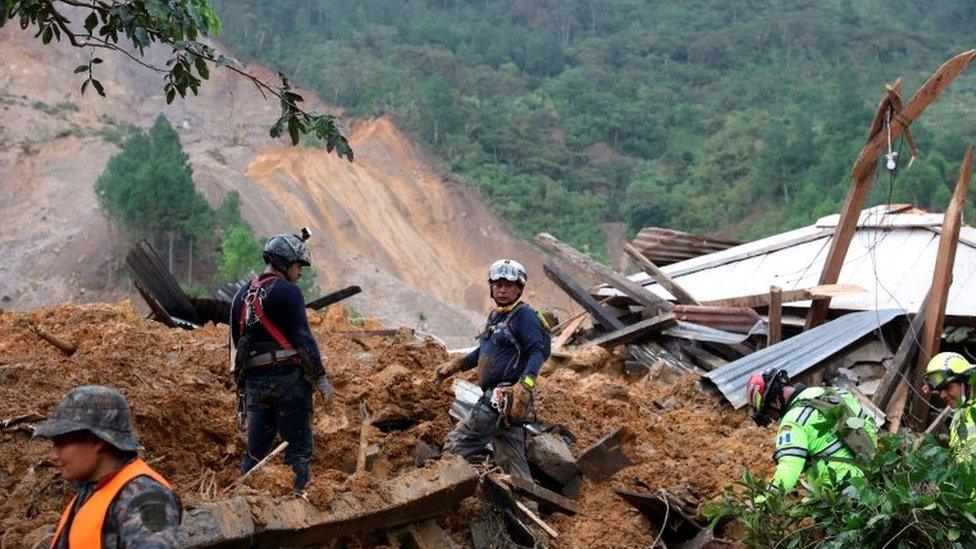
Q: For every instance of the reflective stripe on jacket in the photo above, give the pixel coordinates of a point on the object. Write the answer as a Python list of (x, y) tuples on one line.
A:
[(806, 443)]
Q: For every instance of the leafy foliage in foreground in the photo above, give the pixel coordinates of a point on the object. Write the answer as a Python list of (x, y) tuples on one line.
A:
[(914, 495)]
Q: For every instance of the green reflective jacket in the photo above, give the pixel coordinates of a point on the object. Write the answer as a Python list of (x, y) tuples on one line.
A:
[(806, 443), (962, 431)]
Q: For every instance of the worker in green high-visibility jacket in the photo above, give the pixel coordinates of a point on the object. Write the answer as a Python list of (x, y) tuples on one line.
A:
[(823, 432), (951, 376)]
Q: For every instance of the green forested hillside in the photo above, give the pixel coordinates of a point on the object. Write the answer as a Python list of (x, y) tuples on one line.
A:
[(739, 117)]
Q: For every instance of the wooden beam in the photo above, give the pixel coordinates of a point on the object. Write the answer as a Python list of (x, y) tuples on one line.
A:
[(546, 498), (632, 289), (788, 296), (866, 162), (679, 293), (635, 331), (602, 314), (568, 332), (775, 329), (703, 358), (942, 277), (904, 358)]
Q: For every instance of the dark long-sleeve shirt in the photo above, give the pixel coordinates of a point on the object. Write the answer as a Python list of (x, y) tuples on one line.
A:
[(284, 306), (506, 357)]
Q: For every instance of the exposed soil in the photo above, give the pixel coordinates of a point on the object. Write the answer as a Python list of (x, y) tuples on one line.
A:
[(182, 396)]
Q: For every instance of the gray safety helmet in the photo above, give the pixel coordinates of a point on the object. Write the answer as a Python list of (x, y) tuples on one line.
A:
[(284, 249), (96, 408), (507, 269)]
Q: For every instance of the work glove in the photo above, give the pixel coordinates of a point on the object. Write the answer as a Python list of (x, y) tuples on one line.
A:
[(448, 368), (522, 399), (326, 390)]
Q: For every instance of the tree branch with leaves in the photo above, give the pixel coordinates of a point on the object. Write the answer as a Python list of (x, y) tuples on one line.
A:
[(178, 24)]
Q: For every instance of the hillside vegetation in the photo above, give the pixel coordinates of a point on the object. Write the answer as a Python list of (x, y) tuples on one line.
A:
[(740, 117)]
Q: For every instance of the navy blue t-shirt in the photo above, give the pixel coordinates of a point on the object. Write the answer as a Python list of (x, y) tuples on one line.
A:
[(284, 306), (506, 357)]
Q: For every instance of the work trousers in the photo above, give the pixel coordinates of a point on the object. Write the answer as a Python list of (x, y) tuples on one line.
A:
[(469, 439), (279, 402)]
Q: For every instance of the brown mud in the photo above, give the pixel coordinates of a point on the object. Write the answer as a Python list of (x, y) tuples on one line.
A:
[(183, 399)]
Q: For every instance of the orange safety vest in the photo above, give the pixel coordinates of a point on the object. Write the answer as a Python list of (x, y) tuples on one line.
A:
[(86, 529)]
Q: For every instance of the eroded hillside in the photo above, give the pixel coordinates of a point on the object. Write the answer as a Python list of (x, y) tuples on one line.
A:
[(417, 242)]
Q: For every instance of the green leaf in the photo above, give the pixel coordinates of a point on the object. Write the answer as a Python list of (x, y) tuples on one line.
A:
[(294, 129), (98, 87), (84, 86), (91, 21), (201, 65), (81, 68), (141, 37), (953, 534)]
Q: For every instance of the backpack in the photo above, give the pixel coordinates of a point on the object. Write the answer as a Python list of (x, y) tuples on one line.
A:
[(850, 427)]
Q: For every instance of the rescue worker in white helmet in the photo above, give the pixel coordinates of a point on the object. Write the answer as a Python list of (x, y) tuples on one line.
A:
[(950, 375), (511, 350), (822, 433)]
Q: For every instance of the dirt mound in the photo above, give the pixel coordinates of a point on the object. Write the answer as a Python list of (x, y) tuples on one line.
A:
[(183, 403)]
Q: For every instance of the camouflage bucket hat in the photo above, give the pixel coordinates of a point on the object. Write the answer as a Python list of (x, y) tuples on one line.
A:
[(96, 408)]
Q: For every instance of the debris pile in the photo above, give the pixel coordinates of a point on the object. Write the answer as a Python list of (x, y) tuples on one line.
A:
[(178, 384)]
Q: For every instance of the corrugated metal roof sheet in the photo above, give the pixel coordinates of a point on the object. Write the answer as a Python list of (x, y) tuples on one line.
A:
[(892, 256), (800, 353), (666, 246)]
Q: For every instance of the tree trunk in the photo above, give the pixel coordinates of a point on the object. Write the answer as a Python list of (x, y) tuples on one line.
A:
[(171, 252)]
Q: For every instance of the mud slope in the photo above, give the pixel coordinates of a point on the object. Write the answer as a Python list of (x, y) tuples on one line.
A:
[(417, 242)]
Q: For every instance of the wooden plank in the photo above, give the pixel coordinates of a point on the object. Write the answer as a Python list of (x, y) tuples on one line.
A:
[(775, 329), (945, 259), (863, 171), (334, 297), (568, 332), (547, 499), (904, 358), (703, 358), (896, 408), (635, 331), (740, 320), (788, 296), (679, 293), (632, 289), (600, 313)]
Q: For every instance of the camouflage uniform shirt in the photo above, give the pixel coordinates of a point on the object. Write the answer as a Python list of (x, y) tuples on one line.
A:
[(145, 514)]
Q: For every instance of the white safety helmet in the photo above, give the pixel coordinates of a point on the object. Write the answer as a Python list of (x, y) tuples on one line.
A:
[(507, 269)]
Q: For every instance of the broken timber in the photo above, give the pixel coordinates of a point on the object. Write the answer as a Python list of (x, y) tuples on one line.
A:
[(334, 297), (544, 497), (635, 332), (788, 296), (775, 331), (67, 348), (660, 276), (904, 357), (864, 168), (630, 288), (264, 522), (600, 312), (938, 295)]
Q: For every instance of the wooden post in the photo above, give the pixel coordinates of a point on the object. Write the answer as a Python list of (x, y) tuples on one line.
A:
[(942, 277), (775, 316), (866, 162), (660, 276), (631, 289)]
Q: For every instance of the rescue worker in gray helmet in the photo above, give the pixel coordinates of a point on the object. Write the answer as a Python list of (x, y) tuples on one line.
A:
[(276, 360), (510, 352)]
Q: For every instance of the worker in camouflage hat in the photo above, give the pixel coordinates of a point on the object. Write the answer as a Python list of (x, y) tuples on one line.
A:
[(120, 501)]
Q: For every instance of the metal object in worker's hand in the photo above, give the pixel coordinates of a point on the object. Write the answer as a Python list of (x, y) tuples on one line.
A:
[(466, 397), (334, 297)]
